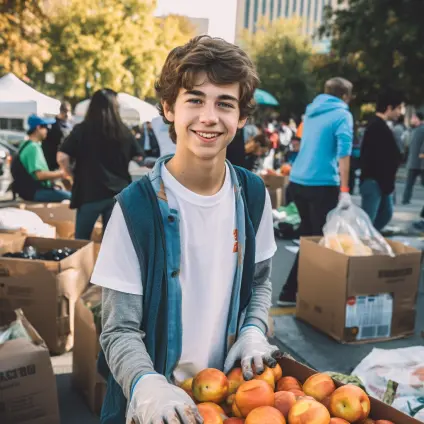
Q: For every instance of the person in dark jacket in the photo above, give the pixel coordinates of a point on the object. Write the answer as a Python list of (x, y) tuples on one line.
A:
[(57, 132), (102, 148), (380, 160)]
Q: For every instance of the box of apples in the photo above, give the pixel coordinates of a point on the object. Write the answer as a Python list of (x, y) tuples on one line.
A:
[(290, 393)]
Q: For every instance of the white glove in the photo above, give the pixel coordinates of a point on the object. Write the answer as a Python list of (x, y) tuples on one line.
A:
[(252, 344), (345, 201), (155, 401)]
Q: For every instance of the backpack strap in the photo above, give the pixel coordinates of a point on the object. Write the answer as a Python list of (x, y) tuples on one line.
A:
[(253, 192)]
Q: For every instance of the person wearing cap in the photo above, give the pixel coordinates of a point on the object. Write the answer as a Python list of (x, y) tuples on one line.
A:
[(58, 131), (32, 178)]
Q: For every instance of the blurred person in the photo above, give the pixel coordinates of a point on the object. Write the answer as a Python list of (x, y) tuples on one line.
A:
[(57, 132), (380, 160), (319, 178), (415, 164), (148, 141), (399, 131), (101, 148), (256, 149), (293, 152), (32, 178)]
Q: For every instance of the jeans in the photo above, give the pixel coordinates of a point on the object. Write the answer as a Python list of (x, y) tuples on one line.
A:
[(377, 205), (87, 215), (313, 204), (51, 195), (410, 181)]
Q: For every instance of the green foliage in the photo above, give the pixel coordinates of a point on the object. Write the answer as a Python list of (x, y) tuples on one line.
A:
[(22, 47), (282, 56), (381, 42)]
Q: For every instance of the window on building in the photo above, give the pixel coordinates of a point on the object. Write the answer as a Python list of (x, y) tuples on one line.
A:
[(271, 9), (3, 124), (294, 6), (280, 4), (255, 14), (287, 8), (263, 7), (316, 12), (301, 7), (308, 16), (247, 14), (17, 124)]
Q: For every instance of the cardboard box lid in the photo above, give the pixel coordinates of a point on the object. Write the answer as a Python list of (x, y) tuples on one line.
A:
[(273, 182), (51, 211)]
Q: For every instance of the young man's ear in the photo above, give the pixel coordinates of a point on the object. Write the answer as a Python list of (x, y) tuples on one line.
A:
[(241, 123), (168, 111)]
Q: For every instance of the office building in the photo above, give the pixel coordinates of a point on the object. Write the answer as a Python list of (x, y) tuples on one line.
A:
[(311, 12)]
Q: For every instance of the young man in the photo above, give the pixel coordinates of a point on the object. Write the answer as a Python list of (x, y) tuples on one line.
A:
[(380, 160), (185, 279), (32, 178), (415, 164), (59, 130), (320, 175)]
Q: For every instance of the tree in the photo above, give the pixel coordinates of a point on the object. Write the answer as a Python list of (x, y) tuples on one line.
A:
[(382, 40), (106, 44), (281, 56), (21, 45)]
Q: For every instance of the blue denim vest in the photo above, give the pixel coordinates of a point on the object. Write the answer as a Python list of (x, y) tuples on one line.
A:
[(154, 231)]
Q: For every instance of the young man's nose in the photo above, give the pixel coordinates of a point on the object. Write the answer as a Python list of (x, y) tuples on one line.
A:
[(208, 115)]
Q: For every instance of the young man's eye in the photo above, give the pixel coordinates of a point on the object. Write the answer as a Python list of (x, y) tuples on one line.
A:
[(194, 101), (226, 105)]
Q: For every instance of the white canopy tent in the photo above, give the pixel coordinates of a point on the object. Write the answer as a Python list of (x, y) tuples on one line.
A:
[(132, 109), (19, 100)]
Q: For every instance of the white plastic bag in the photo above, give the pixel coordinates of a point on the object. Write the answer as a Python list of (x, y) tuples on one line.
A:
[(350, 231), (405, 367), (14, 219)]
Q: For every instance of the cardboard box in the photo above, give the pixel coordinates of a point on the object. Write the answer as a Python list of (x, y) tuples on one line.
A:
[(276, 185), (85, 377), (57, 214), (27, 382), (46, 290), (379, 410), (358, 299)]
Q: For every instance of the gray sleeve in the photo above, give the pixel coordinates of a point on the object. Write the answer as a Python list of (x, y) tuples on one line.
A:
[(258, 308), (121, 338)]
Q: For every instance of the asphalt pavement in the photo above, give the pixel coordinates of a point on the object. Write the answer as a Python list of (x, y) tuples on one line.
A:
[(299, 339)]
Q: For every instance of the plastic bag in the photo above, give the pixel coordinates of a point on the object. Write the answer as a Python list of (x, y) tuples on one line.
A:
[(350, 231), (404, 366)]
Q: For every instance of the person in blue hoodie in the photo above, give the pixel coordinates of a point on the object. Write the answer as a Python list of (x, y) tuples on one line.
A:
[(319, 178)]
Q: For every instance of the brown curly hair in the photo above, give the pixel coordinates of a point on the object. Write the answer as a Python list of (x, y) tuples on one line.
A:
[(223, 63)]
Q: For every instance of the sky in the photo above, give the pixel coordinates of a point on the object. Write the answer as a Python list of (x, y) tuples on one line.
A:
[(221, 14)]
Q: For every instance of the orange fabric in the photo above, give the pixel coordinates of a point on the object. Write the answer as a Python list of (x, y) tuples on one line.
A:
[(299, 131)]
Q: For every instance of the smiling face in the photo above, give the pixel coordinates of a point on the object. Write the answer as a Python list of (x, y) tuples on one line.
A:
[(206, 117)]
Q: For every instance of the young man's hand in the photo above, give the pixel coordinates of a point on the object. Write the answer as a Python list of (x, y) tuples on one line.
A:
[(252, 347), (345, 200), (155, 401)]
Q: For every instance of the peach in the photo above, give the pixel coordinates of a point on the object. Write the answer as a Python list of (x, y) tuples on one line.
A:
[(235, 378), (278, 372), (186, 386), (307, 411), (283, 401), (319, 386), (384, 422), (210, 385), (234, 420), (298, 393), (209, 414), (371, 421), (338, 421), (227, 404), (267, 376), (350, 403), (252, 394), (214, 406), (287, 383), (326, 402), (265, 414), (236, 412)]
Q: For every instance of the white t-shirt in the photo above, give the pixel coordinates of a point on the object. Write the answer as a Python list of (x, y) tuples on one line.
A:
[(208, 263)]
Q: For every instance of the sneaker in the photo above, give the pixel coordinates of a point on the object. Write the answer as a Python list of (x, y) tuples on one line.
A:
[(286, 300)]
